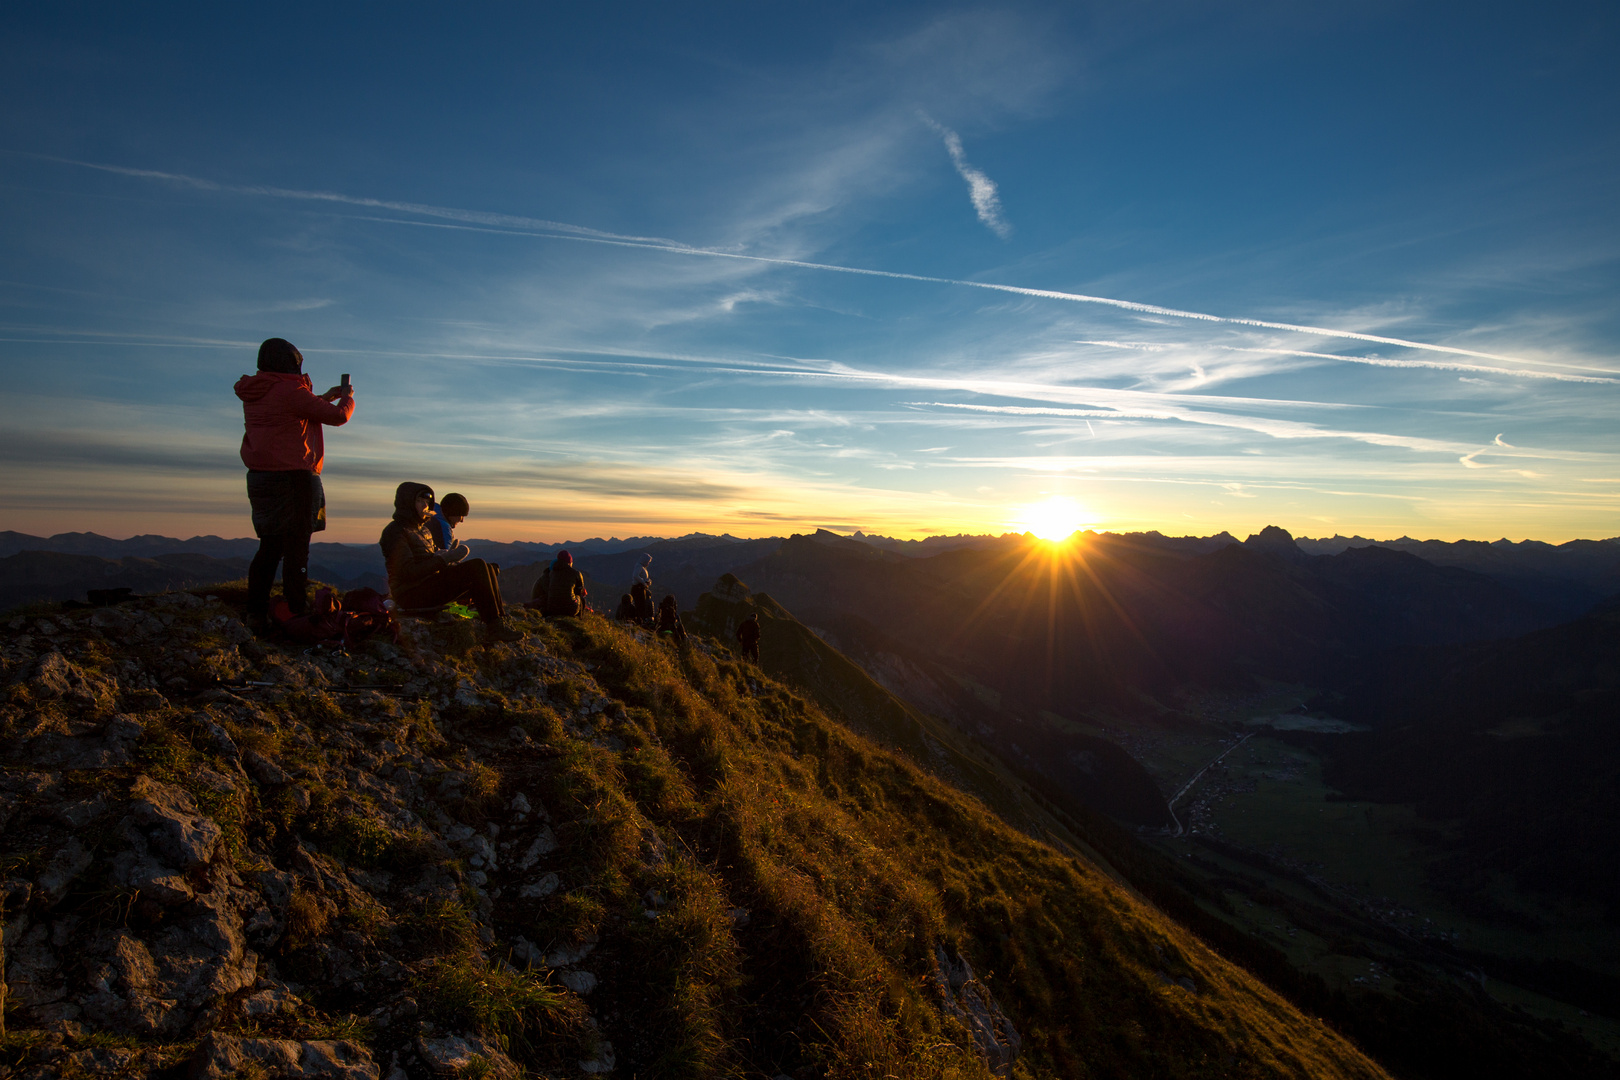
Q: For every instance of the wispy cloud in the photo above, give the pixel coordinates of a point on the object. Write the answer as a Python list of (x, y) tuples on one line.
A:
[(480, 221), (981, 189)]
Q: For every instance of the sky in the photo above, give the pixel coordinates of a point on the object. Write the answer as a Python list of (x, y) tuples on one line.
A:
[(649, 269)]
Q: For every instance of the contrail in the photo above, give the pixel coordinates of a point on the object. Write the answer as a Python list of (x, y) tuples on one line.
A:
[(479, 221), (450, 213), (1374, 361)]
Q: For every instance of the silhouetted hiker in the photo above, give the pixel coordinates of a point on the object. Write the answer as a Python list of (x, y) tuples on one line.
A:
[(642, 574), (669, 621), (641, 596), (419, 577), (442, 521), (627, 609), (283, 449), (748, 637), (561, 588)]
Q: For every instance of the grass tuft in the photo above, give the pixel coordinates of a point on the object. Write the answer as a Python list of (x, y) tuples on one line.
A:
[(514, 1008)]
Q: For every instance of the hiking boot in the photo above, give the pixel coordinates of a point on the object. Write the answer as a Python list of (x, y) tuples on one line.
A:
[(259, 623), (494, 632)]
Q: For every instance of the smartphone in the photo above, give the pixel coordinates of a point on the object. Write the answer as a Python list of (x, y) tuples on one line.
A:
[(345, 381)]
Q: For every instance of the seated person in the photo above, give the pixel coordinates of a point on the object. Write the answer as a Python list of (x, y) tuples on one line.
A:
[(442, 521), (669, 621), (627, 609), (420, 577), (560, 592), (641, 596)]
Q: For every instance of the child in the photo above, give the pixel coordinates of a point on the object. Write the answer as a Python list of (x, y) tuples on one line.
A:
[(445, 516)]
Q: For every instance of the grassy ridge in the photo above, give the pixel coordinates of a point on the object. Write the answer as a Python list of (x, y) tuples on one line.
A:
[(854, 862)]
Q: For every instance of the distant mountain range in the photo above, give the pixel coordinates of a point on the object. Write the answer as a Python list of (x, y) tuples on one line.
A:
[(1566, 578)]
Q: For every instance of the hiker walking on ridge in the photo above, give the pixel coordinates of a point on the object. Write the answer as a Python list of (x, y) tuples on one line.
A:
[(748, 637), (283, 449), (419, 577)]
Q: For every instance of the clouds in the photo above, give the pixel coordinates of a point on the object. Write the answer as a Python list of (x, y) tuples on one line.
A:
[(981, 189), (716, 277)]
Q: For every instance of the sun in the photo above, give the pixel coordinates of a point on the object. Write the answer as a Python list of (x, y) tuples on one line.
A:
[(1056, 519)]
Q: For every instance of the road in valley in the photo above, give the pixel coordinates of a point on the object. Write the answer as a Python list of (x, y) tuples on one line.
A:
[(1171, 805)]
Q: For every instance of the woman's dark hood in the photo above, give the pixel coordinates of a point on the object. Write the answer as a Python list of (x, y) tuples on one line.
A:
[(405, 502), (280, 355)]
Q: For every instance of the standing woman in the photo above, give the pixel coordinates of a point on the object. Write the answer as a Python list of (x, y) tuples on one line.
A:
[(283, 449)]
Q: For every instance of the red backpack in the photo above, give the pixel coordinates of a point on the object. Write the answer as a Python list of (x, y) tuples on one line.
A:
[(328, 623)]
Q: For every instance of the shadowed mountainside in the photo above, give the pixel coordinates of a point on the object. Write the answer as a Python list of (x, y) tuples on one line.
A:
[(1517, 740), (1095, 771)]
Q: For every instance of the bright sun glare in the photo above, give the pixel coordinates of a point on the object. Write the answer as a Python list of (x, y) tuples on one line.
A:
[(1055, 519)]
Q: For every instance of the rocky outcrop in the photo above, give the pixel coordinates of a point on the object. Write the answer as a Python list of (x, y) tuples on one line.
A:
[(963, 997), (222, 1057)]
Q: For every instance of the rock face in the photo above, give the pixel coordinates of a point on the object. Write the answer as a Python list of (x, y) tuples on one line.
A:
[(962, 996), (223, 1056)]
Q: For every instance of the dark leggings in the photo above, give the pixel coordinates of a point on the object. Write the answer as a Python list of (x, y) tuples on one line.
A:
[(473, 579), (291, 549), (285, 506)]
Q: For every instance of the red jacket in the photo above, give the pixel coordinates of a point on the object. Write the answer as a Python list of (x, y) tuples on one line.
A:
[(284, 419)]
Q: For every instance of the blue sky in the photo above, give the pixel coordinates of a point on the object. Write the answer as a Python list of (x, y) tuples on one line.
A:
[(596, 268)]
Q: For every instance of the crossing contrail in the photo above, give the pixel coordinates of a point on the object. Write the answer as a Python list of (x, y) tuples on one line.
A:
[(480, 221)]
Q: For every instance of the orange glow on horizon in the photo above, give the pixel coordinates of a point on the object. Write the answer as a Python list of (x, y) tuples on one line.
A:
[(1056, 519)]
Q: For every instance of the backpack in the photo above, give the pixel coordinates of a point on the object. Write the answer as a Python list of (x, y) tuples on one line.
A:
[(327, 623), (321, 624), (368, 615)]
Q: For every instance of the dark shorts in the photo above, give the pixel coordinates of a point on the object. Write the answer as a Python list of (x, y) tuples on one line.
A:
[(286, 503)]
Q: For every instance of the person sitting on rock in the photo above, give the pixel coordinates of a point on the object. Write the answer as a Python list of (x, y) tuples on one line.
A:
[(443, 517), (669, 621), (560, 592), (748, 637), (420, 577), (627, 609)]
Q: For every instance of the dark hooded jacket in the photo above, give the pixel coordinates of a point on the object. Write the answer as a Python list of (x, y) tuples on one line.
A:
[(407, 546), (563, 590)]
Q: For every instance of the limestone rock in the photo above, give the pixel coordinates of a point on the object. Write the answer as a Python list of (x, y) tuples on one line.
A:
[(580, 982), (33, 973), (544, 844), (969, 1001), (66, 865), (181, 835), (544, 885), (457, 1055), (159, 987), (55, 677), (223, 1056), (264, 770)]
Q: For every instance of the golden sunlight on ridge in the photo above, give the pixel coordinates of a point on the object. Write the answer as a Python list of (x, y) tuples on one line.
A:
[(1057, 518)]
